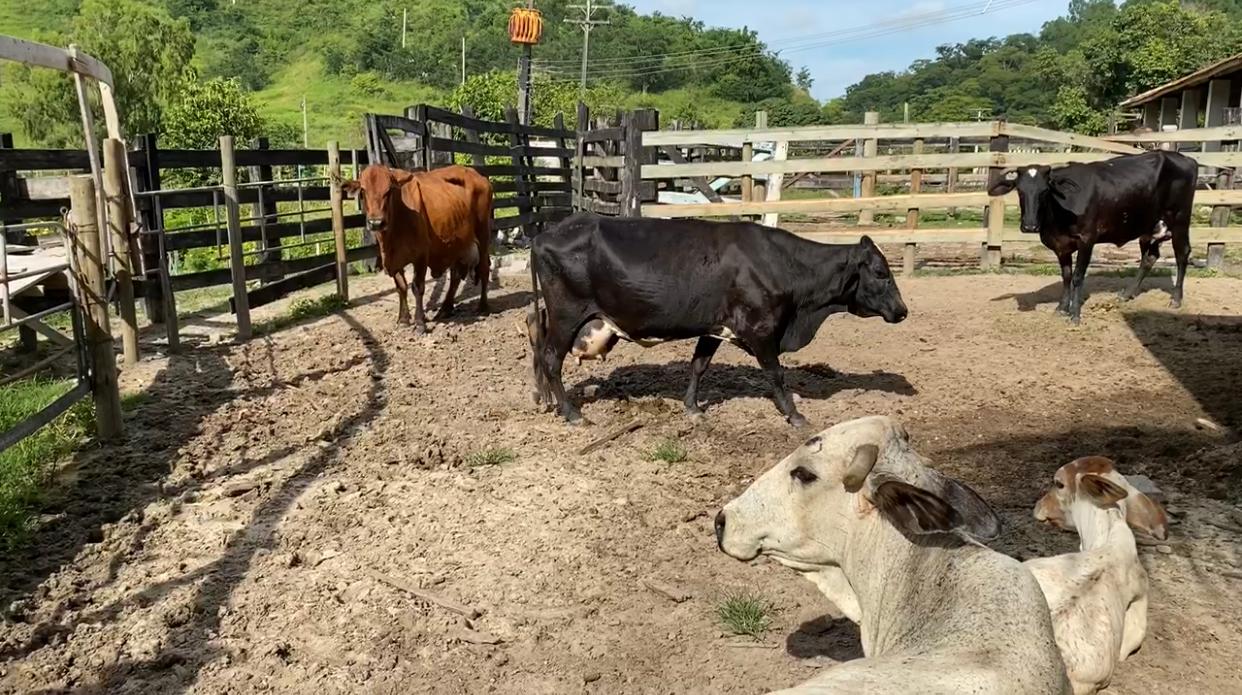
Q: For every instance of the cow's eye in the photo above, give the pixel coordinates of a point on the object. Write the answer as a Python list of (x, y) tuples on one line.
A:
[(882, 274), (1058, 484), (803, 475)]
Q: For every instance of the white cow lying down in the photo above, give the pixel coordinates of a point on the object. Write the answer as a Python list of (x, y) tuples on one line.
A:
[(856, 509), (1098, 596)]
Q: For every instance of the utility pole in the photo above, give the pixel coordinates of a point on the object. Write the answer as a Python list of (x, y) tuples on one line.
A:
[(463, 60), (405, 14), (587, 23), (305, 128)]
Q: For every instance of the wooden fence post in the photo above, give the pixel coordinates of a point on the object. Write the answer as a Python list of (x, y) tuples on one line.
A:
[(760, 192), (912, 215), (84, 234), (748, 182), (566, 163), (237, 256), (517, 142), (950, 181), (1220, 218), (583, 125), (996, 207), (152, 288), (119, 216), (633, 125), (338, 219), (870, 149), (266, 212)]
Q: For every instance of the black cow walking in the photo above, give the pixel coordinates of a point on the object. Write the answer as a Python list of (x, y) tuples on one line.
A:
[(1144, 196), (650, 280)]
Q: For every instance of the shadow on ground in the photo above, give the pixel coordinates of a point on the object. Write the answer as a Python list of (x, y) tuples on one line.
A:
[(1050, 294), (727, 381), (836, 638)]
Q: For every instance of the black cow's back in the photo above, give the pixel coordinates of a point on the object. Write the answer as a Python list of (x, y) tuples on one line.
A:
[(1132, 195)]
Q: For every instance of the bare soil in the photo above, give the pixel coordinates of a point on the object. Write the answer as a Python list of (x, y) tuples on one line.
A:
[(274, 497)]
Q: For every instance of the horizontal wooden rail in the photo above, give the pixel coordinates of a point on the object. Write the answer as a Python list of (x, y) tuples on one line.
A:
[(923, 201), (1213, 134), (968, 160), (500, 127), (1199, 236), (896, 131)]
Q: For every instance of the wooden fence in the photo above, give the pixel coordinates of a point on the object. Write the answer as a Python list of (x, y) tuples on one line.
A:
[(529, 166), (911, 164), (268, 229), (608, 162)]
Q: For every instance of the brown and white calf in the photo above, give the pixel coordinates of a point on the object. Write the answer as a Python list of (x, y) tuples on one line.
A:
[(1098, 596)]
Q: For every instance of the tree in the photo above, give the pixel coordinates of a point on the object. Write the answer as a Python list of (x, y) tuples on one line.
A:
[(489, 93), (148, 51), (206, 110), (804, 79)]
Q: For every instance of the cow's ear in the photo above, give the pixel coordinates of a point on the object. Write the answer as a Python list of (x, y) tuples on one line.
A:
[(350, 187), (914, 511), (1004, 184), (1100, 490), (939, 505), (1146, 515), (1070, 194)]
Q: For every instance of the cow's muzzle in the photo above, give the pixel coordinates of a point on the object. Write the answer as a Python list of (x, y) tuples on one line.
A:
[(897, 315), (720, 529), (375, 224), (1028, 228)]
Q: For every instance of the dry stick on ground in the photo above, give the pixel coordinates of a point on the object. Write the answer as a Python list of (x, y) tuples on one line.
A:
[(445, 603), (626, 429)]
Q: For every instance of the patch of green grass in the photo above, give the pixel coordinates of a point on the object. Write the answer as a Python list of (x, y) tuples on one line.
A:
[(26, 468), (303, 309), (132, 401), (745, 614), (490, 457), (669, 450)]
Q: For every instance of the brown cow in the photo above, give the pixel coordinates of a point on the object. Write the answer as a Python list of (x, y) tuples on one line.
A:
[(438, 220)]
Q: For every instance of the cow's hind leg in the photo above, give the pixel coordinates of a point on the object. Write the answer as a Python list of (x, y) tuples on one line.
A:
[(1150, 251), (770, 362), (1067, 273), (1077, 293), (560, 328), (450, 296), (703, 353), (1181, 250)]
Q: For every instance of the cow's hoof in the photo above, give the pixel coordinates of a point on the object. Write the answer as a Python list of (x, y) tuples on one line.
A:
[(1061, 311), (443, 314), (1175, 304), (798, 422), (1125, 296), (1075, 320), (695, 414), (482, 308), (420, 331)]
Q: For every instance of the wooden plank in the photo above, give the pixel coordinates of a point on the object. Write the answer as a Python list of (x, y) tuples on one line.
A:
[(43, 159), (900, 236), (503, 128), (923, 201), (609, 162), (467, 147), (237, 258), (275, 290), (203, 199), (1215, 133), (179, 241), (222, 276), (818, 165), (604, 134), (35, 422), (776, 184), (734, 137), (496, 170), (867, 187), (1034, 133)]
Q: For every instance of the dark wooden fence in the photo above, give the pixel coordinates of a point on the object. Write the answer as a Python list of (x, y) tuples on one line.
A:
[(608, 162), (530, 167)]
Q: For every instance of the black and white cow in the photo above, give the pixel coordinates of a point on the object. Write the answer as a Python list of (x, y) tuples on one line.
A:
[(1144, 196), (650, 280)]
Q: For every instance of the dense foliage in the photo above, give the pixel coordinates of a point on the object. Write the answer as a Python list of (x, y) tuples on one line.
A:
[(1069, 76)]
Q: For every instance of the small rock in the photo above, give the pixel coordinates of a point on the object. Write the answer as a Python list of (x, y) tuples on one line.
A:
[(462, 634), (672, 593), (591, 676), (590, 391), (1164, 550)]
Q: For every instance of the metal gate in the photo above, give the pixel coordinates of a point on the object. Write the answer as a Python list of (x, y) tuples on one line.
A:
[(30, 293)]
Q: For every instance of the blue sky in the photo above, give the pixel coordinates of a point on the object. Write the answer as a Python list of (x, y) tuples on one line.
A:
[(837, 66)]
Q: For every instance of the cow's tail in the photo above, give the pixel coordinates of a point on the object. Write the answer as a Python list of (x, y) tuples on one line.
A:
[(537, 326)]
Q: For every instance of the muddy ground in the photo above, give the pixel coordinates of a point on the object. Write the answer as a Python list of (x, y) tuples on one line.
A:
[(275, 497)]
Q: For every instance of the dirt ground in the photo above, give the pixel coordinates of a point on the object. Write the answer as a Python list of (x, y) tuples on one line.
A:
[(255, 534)]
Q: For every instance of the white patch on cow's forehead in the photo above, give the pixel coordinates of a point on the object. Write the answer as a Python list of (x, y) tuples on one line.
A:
[(1032, 172)]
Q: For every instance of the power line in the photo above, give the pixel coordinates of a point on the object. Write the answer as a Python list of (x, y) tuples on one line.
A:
[(588, 22), (621, 66)]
